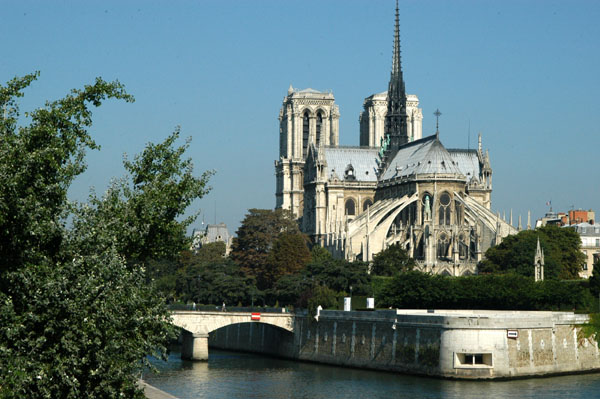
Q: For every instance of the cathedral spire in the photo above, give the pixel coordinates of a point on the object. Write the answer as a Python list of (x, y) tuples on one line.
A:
[(395, 120), (396, 62)]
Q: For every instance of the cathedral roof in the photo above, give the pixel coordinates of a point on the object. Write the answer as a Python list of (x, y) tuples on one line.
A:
[(467, 162), (424, 156), (363, 162), (310, 90)]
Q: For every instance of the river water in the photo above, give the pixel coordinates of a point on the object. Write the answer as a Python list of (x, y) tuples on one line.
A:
[(234, 375)]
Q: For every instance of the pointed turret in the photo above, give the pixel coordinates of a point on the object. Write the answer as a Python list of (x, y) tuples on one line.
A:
[(538, 263), (395, 120)]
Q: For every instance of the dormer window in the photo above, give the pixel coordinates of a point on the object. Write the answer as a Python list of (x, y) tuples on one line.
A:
[(349, 172)]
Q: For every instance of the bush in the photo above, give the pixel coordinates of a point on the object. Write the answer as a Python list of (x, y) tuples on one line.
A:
[(499, 292)]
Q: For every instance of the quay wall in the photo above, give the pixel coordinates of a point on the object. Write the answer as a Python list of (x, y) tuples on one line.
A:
[(451, 344)]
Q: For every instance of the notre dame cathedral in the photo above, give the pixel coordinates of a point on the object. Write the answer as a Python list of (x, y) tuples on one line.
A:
[(396, 187)]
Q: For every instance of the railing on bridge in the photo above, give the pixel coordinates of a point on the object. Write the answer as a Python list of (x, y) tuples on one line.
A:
[(213, 308)]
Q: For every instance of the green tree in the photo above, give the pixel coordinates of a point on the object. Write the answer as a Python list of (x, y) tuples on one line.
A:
[(391, 261), (509, 291), (289, 255), (322, 296), (39, 162), (163, 273), (140, 215), (76, 319), (594, 280), (319, 255), (211, 252), (255, 238), (291, 289), (340, 275), (215, 282), (562, 253)]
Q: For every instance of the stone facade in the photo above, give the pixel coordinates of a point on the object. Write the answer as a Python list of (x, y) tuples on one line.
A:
[(307, 117), (590, 245), (397, 187), (463, 344), (372, 119)]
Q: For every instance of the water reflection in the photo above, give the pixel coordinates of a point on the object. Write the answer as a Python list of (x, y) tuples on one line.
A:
[(238, 375)]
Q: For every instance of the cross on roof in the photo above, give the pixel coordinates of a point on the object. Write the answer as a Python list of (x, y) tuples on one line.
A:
[(437, 114)]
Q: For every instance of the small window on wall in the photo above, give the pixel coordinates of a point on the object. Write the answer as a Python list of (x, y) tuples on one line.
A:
[(367, 204), (473, 360), (350, 207)]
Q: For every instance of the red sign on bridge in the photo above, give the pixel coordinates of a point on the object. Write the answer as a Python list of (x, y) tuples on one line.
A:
[(255, 316)]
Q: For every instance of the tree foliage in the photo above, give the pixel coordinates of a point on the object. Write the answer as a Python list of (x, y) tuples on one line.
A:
[(255, 238), (206, 276), (215, 282), (140, 214), (594, 280), (289, 255), (391, 261), (562, 253), (337, 275), (340, 275), (76, 316), (503, 291), (38, 163)]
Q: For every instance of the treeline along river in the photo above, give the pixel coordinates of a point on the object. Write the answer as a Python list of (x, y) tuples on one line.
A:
[(234, 375)]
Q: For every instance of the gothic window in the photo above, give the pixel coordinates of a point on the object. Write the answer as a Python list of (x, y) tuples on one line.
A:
[(350, 207), (443, 245), (463, 248), (420, 248), (444, 210), (458, 212), (305, 132), (368, 203), (319, 125)]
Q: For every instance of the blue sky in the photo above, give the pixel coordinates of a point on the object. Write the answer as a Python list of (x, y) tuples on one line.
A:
[(523, 73)]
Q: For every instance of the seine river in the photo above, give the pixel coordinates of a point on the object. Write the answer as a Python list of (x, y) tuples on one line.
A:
[(238, 375)]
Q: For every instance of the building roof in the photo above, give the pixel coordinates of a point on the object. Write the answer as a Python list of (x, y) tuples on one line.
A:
[(586, 229), (364, 162), (217, 232), (213, 233), (424, 156), (467, 162)]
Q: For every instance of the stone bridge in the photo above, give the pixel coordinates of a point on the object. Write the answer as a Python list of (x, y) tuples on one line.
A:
[(197, 325)]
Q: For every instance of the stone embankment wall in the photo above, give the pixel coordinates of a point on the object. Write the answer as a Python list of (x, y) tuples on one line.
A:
[(455, 344)]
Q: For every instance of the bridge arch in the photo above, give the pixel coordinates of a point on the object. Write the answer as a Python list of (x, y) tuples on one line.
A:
[(196, 326)]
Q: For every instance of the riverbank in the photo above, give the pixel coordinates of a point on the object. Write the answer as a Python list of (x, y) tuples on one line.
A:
[(152, 392)]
